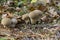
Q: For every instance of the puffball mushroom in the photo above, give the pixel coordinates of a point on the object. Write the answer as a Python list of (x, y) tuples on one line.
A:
[(14, 22)]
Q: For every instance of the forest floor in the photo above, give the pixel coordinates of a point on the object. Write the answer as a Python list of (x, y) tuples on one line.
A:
[(23, 32)]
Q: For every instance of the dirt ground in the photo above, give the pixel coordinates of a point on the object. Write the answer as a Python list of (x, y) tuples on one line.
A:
[(23, 32)]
